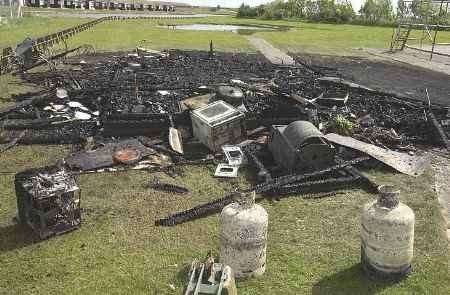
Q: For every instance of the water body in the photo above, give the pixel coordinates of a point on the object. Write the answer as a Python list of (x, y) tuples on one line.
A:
[(244, 30)]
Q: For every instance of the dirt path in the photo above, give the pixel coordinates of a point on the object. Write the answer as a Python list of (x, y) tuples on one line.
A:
[(273, 54)]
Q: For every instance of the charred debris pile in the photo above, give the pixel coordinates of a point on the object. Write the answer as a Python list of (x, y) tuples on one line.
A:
[(302, 128)]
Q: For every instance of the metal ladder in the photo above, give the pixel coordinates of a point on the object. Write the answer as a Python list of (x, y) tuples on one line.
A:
[(400, 36)]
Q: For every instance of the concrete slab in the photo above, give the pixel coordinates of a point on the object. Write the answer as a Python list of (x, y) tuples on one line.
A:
[(439, 63), (273, 54)]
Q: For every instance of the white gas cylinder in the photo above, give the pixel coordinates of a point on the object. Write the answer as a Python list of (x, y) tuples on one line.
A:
[(387, 236), (243, 237)]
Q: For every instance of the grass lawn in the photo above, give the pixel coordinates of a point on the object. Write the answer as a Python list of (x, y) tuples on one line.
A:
[(16, 31), (120, 35), (313, 245)]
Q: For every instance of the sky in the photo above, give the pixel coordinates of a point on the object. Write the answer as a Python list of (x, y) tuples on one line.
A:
[(236, 3)]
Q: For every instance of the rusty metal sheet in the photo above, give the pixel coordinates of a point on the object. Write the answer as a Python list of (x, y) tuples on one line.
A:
[(404, 163), (104, 156)]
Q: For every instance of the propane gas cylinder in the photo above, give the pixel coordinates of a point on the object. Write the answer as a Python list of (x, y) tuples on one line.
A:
[(243, 237), (387, 236)]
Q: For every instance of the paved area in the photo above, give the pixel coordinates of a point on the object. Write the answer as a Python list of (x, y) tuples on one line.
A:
[(273, 54), (413, 57), (385, 74)]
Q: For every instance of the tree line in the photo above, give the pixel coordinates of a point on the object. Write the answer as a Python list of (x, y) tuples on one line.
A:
[(372, 12)]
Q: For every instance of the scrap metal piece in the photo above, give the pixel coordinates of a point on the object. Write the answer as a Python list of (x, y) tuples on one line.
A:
[(175, 140), (210, 278), (404, 163), (234, 155), (300, 145), (226, 170), (61, 93), (48, 201), (104, 156), (195, 102), (332, 101), (127, 156), (24, 52)]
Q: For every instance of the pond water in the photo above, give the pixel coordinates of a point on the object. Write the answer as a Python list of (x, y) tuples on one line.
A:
[(245, 30)]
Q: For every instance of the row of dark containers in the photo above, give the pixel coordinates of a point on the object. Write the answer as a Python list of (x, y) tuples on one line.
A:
[(100, 5)]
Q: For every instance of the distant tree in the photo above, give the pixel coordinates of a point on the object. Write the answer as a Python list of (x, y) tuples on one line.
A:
[(246, 11), (326, 10), (260, 10), (385, 9), (422, 9), (311, 9), (376, 11), (369, 11), (345, 12)]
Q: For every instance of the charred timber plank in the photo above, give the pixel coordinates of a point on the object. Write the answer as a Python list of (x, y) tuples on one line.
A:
[(215, 206), (7, 146), (17, 106), (443, 139), (22, 104)]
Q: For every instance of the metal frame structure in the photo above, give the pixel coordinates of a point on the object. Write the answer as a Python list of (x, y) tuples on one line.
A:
[(48, 201), (430, 26), (43, 44)]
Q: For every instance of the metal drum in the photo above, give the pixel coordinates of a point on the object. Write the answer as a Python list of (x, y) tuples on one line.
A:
[(229, 94), (300, 145)]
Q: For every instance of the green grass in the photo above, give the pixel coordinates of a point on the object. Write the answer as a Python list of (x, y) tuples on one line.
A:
[(18, 30), (313, 245), (121, 35), (124, 35)]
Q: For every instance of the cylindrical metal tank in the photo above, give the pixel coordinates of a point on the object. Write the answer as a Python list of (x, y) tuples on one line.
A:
[(387, 237), (231, 95), (243, 237)]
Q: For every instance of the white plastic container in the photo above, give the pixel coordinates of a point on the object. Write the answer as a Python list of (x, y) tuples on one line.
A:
[(243, 238), (387, 237), (217, 124)]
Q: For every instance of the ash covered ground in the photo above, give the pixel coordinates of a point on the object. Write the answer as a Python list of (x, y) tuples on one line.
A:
[(104, 85)]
